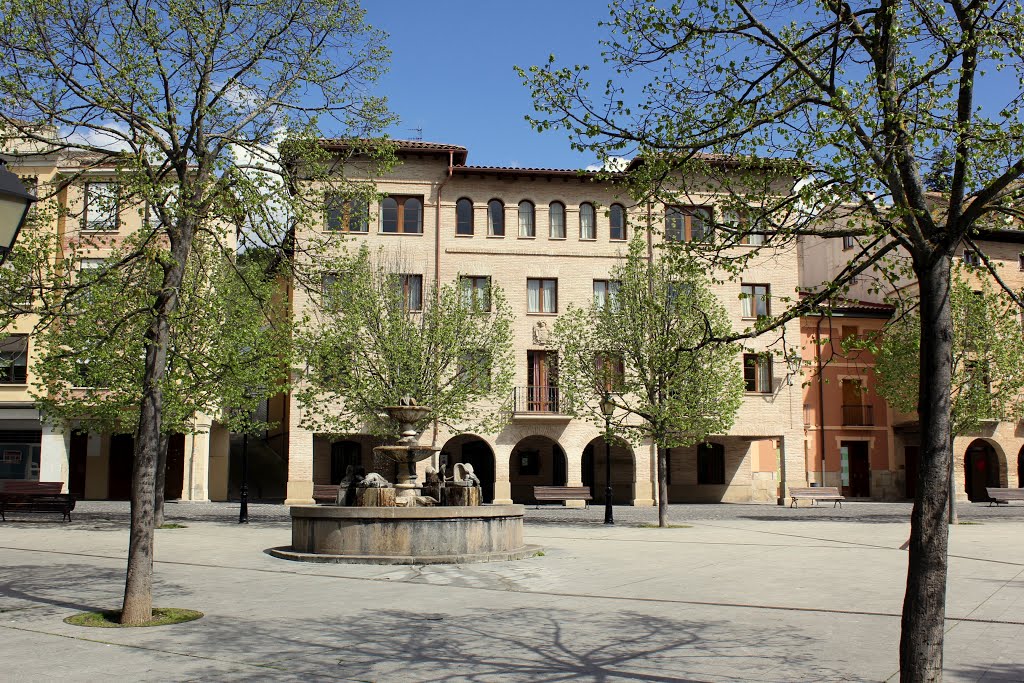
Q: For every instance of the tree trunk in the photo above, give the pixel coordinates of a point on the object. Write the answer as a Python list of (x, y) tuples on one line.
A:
[(161, 480), (662, 486), (924, 605), (138, 587)]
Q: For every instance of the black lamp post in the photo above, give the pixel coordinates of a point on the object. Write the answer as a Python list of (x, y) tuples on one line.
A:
[(607, 407), (15, 201), (243, 491)]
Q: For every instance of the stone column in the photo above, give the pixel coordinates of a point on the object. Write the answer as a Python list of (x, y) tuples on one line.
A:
[(502, 485), (574, 471), (791, 445), (197, 464), (643, 476), (54, 448)]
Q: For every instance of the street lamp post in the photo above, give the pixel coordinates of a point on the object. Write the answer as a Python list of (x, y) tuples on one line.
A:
[(15, 202), (608, 407), (243, 491)]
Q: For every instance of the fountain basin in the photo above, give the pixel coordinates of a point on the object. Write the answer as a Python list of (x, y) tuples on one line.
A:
[(416, 535)]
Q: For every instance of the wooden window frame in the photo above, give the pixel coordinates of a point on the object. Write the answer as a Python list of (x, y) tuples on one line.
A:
[(459, 224), (540, 298), (756, 361), (611, 223), (404, 280), (400, 200), (551, 224), (606, 285), (533, 219), (343, 213), (593, 221), (491, 224), (474, 281), (687, 214), (752, 295)]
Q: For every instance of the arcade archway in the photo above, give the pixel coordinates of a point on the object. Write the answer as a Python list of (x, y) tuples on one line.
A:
[(623, 471), (535, 461), (472, 450), (981, 469)]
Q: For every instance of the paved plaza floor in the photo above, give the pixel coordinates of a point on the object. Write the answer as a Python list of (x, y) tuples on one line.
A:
[(746, 593)]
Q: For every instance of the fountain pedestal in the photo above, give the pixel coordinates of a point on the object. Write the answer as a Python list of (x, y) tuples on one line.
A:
[(406, 527)]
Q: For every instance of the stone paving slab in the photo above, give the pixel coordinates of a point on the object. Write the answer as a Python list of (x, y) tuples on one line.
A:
[(736, 597)]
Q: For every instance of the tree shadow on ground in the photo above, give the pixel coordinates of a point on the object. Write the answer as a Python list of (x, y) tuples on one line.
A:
[(526, 644), (994, 673), (27, 586)]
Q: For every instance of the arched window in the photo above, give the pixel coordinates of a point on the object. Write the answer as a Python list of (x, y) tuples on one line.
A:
[(617, 222), (556, 220), (413, 219), (464, 217), (587, 231), (711, 463), (526, 212), (495, 218), (388, 215)]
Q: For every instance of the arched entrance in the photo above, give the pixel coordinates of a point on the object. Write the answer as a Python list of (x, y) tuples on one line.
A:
[(623, 471), (1020, 468), (535, 461), (472, 450), (981, 469)]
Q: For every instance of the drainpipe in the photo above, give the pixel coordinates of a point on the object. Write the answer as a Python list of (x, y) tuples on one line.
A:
[(437, 264), (821, 396)]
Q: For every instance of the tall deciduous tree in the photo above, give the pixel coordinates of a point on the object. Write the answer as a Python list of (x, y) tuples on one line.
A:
[(865, 95), (228, 345), (377, 335), (194, 94), (646, 344)]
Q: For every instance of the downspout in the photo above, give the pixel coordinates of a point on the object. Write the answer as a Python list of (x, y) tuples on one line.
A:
[(437, 271), (821, 397)]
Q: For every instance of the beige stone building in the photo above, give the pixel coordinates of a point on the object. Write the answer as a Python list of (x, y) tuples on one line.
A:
[(82, 202), (548, 237)]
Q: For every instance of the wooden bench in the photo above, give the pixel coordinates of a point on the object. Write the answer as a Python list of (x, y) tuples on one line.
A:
[(1003, 496), (562, 493), (325, 494), (816, 493), (35, 496)]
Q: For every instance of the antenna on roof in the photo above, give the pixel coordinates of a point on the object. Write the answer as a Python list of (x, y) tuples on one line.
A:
[(419, 133)]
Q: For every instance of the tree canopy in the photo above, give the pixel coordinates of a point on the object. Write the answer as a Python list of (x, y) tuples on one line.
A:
[(852, 101), (645, 345), (377, 334), (188, 100)]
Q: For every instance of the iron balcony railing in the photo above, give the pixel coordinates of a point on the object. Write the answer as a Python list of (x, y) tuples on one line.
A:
[(539, 399), (857, 415)]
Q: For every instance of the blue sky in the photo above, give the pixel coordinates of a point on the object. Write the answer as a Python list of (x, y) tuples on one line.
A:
[(451, 71)]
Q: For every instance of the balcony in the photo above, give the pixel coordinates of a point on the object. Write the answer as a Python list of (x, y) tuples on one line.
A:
[(537, 403), (858, 416)]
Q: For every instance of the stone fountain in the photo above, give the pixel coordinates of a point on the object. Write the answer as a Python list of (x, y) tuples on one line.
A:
[(376, 523)]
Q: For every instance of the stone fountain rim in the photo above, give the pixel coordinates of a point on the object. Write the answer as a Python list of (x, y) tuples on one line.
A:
[(385, 513)]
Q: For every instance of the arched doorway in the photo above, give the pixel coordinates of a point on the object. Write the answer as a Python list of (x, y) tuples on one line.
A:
[(471, 450), (535, 461), (1020, 468), (981, 469), (623, 471)]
